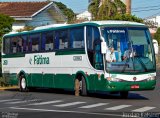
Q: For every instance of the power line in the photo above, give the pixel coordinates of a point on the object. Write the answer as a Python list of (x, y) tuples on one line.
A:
[(146, 10), (145, 7), (153, 15)]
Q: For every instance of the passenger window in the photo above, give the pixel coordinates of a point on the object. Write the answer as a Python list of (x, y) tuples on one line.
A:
[(61, 39), (24, 43), (77, 37), (16, 44), (6, 45), (47, 41), (34, 43)]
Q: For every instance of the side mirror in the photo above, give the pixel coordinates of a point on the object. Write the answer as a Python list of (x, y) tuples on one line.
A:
[(103, 47), (155, 45)]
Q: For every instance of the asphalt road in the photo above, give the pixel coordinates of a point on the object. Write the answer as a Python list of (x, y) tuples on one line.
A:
[(47, 103)]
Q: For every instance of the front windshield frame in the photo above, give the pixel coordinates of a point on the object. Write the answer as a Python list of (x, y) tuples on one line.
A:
[(129, 43)]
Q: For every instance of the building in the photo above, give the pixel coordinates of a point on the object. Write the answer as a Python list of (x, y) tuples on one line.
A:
[(32, 13), (86, 15), (153, 22)]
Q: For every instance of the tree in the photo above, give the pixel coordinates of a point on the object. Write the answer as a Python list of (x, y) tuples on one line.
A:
[(127, 17), (157, 35), (104, 9), (111, 10), (66, 11), (5, 25)]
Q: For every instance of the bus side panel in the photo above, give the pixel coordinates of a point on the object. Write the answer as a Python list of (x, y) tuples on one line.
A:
[(101, 83), (13, 80), (91, 82), (48, 80), (64, 81), (37, 80), (29, 80)]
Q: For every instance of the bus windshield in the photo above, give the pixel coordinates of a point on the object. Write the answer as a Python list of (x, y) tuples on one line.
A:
[(129, 50)]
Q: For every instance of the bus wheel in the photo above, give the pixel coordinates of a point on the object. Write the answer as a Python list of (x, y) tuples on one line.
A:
[(22, 84), (83, 87), (124, 94)]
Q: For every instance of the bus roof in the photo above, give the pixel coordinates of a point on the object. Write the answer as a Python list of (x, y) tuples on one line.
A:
[(108, 23), (114, 22)]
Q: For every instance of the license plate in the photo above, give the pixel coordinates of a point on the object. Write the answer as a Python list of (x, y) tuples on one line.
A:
[(135, 87)]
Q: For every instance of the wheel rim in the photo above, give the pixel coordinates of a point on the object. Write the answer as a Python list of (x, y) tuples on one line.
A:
[(23, 83), (80, 85)]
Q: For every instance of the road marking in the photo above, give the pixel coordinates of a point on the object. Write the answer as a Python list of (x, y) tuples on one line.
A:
[(9, 100), (48, 102), (118, 107), (63, 111), (69, 104), (93, 105), (24, 101), (143, 109)]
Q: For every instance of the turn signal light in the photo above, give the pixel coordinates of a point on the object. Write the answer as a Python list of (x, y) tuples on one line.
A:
[(109, 78)]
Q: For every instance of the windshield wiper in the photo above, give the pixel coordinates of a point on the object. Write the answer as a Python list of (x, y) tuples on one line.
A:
[(143, 65)]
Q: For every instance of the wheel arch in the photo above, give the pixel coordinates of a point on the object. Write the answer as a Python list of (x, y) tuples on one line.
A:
[(81, 73), (22, 72)]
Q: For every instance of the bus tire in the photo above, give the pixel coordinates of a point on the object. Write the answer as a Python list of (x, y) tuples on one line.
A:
[(124, 94), (83, 87), (22, 84)]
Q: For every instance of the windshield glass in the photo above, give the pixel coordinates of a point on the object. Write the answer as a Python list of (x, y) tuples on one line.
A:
[(129, 50)]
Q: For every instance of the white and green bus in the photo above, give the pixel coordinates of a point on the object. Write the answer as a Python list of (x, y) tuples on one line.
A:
[(56, 56)]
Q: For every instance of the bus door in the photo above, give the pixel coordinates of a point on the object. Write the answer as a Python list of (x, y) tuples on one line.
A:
[(100, 82)]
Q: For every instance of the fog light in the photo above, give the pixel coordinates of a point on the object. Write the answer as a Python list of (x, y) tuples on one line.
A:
[(109, 78)]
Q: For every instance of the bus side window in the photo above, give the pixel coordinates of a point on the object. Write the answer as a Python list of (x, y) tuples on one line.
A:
[(16, 44), (13, 45), (47, 41), (34, 42), (19, 45), (24, 43), (77, 37), (6, 45), (61, 39)]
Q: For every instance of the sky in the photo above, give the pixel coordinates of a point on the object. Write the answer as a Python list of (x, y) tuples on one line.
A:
[(140, 8)]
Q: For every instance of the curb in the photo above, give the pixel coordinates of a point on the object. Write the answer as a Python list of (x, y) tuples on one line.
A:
[(8, 88)]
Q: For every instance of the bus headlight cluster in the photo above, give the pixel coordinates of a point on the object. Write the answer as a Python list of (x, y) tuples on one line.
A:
[(114, 79), (151, 78)]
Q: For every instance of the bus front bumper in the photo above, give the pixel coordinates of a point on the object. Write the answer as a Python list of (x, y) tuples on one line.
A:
[(131, 86)]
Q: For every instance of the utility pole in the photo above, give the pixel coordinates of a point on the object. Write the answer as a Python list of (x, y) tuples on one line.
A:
[(128, 6)]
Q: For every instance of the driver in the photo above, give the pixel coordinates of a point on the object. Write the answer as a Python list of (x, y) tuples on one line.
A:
[(110, 55)]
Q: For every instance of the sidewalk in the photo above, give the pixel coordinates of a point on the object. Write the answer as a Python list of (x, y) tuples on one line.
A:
[(7, 88)]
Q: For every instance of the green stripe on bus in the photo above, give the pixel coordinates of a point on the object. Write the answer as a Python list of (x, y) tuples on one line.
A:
[(69, 52), (66, 81), (13, 55)]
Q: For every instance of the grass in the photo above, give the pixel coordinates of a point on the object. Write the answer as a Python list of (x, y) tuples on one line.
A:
[(2, 82)]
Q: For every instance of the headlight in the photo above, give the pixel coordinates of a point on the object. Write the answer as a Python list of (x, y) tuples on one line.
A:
[(151, 78), (114, 79)]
